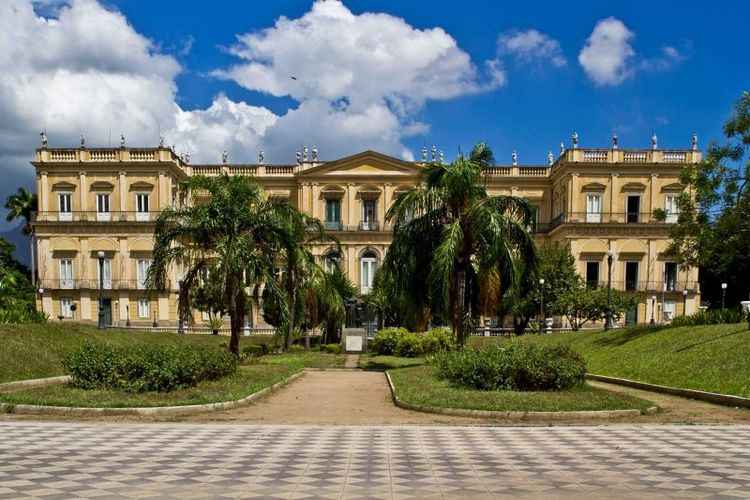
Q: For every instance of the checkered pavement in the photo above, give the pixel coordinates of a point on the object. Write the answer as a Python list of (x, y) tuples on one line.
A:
[(73, 460)]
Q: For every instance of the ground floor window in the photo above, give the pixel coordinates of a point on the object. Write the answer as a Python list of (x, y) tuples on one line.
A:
[(669, 310), (367, 271), (66, 307), (592, 274), (143, 308)]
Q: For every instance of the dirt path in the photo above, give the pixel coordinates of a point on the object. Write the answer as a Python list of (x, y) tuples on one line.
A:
[(331, 397)]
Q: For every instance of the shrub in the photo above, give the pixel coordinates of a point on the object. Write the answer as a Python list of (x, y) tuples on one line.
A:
[(410, 345), (437, 340), (386, 339), (255, 350), (142, 368), (296, 348), (332, 348), (515, 366), (711, 317)]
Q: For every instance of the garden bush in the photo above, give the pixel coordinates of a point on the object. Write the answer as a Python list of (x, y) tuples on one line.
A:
[(711, 317), (385, 340), (410, 345), (516, 366), (255, 350), (141, 368), (332, 348), (437, 340)]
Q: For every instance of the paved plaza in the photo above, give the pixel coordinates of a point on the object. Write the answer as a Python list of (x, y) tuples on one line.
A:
[(74, 460)]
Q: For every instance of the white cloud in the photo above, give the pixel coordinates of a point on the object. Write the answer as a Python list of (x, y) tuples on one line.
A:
[(77, 67), (669, 57), (606, 56), (531, 46)]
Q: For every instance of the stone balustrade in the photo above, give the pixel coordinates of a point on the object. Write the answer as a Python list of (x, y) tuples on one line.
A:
[(107, 155), (630, 156)]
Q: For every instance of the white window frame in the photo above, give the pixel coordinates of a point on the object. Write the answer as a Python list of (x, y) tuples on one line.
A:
[(371, 263), (103, 207), (106, 280), (593, 208), (369, 223), (66, 274), (66, 307), (142, 266), (669, 310), (144, 308), (671, 208), (65, 208), (142, 200)]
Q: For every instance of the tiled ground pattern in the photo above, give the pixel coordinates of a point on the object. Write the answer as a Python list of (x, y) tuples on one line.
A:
[(65, 460)]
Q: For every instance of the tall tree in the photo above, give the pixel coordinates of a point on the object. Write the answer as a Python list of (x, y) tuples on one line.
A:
[(461, 233), (228, 229), (22, 205), (713, 227)]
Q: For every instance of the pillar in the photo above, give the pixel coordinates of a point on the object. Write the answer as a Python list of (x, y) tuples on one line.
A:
[(123, 194), (43, 192), (84, 191)]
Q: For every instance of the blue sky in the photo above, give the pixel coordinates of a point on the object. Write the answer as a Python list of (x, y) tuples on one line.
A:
[(391, 76), (539, 105)]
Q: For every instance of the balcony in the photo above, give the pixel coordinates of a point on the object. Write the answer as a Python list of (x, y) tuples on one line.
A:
[(671, 286), (606, 218), (369, 225), (333, 225), (94, 216), (93, 284)]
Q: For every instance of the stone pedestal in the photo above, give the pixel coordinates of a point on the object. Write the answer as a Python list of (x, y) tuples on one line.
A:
[(355, 340)]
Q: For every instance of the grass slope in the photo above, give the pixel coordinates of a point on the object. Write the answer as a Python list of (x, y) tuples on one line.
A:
[(379, 362), (712, 358), (418, 385)]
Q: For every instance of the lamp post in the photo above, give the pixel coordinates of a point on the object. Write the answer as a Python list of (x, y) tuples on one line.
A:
[(684, 302), (543, 323), (608, 321), (723, 296), (100, 323), (653, 309)]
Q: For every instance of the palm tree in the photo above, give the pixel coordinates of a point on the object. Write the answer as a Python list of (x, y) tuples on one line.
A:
[(23, 205), (451, 232), (229, 230)]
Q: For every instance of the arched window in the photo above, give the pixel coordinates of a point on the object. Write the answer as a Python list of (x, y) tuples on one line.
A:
[(331, 261), (367, 265)]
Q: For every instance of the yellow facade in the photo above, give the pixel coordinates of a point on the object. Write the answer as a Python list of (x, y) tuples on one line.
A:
[(97, 209)]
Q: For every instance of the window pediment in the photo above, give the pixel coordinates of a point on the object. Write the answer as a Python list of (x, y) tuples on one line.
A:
[(63, 186), (633, 186), (102, 186), (141, 186), (675, 187), (368, 192), (593, 186), (332, 191)]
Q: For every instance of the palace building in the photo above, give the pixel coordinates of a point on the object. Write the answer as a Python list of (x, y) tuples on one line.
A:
[(97, 208)]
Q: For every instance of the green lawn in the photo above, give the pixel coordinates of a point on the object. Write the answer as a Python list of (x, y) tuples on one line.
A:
[(247, 380), (37, 350), (309, 359), (712, 358), (378, 362), (418, 385)]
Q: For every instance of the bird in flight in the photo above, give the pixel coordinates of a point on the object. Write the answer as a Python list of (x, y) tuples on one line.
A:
[(293, 77)]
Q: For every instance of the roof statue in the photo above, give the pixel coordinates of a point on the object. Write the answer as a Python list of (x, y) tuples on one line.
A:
[(261, 157), (43, 136), (434, 153), (224, 156), (654, 142), (441, 156), (161, 141), (424, 154), (514, 158), (694, 142), (122, 140), (550, 158), (615, 141), (314, 153), (574, 140), (304, 153), (299, 156), (562, 148), (83, 141)]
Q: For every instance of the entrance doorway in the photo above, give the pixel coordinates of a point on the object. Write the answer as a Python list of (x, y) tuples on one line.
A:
[(634, 209), (631, 316)]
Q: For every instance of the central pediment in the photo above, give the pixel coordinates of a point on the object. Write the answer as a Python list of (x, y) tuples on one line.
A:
[(367, 163)]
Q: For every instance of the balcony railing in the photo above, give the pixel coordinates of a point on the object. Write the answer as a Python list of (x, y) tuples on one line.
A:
[(369, 225), (93, 284), (94, 216), (608, 218), (649, 286), (333, 225), (516, 171), (632, 156), (373, 226)]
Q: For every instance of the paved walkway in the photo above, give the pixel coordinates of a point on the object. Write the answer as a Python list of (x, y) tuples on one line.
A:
[(66, 460), (352, 361)]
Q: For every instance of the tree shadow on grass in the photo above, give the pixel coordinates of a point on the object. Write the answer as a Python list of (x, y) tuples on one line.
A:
[(708, 341), (622, 337)]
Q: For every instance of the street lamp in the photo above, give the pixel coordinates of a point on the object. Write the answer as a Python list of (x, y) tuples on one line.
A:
[(653, 309), (608, 323), (100, 323), (543, 324), (723, 296), (684, 302)]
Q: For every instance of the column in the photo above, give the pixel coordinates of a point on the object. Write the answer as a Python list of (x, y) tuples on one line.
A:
[(383, 204), (352, 218), (612, 195), (163, 203), (124, 296), (315, 200), (652, 198), (43, 192), (123, 194), (84, 191)]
